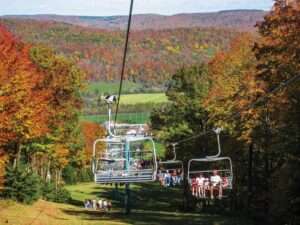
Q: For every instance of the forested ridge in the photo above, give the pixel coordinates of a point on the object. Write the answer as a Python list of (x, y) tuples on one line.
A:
[(153, 56), (246, 83), (232, 19), (250, 90)]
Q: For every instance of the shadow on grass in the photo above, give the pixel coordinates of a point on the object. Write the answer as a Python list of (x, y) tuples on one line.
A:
[(75, 202), (141, 217), (152, 205), (148, 196)]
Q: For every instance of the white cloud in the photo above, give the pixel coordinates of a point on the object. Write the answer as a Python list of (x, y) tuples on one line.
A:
[(120, 7)]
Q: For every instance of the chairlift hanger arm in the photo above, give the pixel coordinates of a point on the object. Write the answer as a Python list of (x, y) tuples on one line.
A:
[(217, 132)]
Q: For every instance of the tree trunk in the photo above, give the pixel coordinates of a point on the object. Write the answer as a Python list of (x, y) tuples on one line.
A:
[(59, 176), (17, 156), (48, 172), (267, 175), (186, 188), (250, 177), (56, 180)]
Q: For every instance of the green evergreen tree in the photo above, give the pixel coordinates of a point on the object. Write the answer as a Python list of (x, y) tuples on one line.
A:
[(22, 185)]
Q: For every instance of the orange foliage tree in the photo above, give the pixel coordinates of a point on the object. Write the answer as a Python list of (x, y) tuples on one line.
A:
[(3, 158), (91, 132), (24, 102), (39, 105), (65, 82), (278, 54), (233, 87)]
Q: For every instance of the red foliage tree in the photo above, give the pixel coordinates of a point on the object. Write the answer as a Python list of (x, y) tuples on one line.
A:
[(24, 102)]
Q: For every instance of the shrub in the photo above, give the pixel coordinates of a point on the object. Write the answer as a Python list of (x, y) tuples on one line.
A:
[(69, 175), (85, 175), (72, 175), (22, 185), (53, 194)]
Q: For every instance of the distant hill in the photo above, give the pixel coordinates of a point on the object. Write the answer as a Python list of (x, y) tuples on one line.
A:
[(235, 19), (154, 55)]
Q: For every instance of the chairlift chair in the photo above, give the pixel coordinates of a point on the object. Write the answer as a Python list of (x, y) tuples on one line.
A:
[(203, 166), (172, 166), (126, 164), (127, 158), (225, 173)]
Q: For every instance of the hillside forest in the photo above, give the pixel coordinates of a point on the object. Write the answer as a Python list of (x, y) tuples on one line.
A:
[(245, 82)]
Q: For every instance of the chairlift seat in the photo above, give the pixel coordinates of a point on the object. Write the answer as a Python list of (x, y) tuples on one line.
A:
[(122, 164), (225, 174)]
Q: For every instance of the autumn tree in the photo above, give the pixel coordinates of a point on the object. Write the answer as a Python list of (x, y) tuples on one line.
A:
[(233, 89), (91, 132), (278, 53), (3, 159), (231, 74), (239, 100), (39, 107), (24, 101), (65, 82)]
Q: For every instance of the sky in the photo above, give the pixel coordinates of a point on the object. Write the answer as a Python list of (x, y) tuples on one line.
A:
[(121, 7)]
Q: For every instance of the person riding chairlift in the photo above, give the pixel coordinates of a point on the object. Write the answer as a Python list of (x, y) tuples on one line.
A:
[(216, 183), (179, 176), (200, 186), (194, 186), (131, 132), (167, 179)]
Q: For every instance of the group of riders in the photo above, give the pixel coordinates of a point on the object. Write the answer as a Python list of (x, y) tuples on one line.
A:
[(201, 186), (204, 186), (170, 178), (100, 204)]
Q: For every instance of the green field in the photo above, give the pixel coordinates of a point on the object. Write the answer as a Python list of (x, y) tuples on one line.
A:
[(112, 87), (145, 102), (133, 99), (143, 117)]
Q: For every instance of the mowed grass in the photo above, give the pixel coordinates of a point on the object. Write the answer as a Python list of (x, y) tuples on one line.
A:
[(151, 205), (133, 99), (48, 213)]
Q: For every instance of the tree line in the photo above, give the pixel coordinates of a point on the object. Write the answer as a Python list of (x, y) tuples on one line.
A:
[(40, 133), (262, 130)]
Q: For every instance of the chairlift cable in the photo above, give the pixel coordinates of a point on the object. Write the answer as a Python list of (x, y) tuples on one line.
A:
[(261, 99), (267, 96), (191, 138), (124, 58)]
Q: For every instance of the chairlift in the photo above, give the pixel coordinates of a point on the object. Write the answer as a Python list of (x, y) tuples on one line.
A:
[(203, 171), (170, 172), (126, 157)]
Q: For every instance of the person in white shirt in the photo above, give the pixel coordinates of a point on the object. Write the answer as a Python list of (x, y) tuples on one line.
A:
[(216, 183), (131, 132), (100, 203), (104, 204), (200, 186), (94, 201), (206, 184)]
